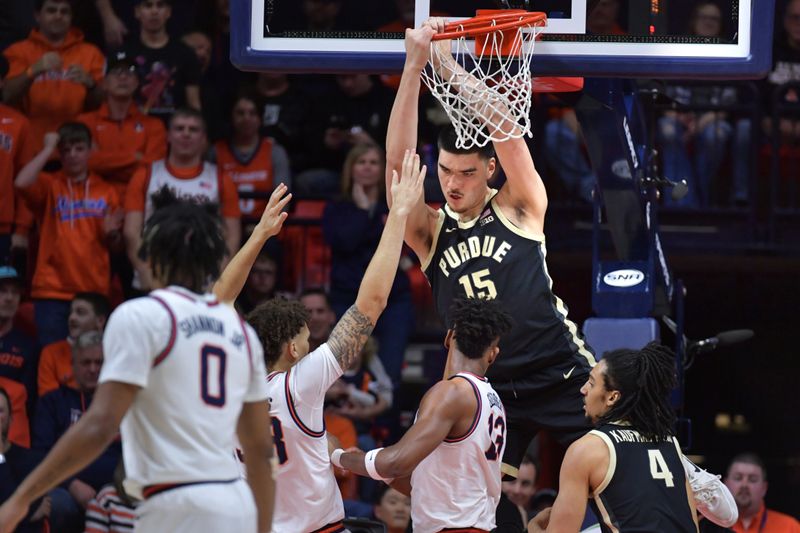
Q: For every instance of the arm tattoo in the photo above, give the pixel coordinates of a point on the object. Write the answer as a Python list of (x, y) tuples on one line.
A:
[(349, 336)]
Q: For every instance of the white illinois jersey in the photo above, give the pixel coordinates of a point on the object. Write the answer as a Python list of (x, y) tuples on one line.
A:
[(196, 362), (307, 497), (458, 484), (205, 187)]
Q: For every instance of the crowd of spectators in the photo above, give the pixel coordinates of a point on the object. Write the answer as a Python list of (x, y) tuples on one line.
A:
[(103, 105)]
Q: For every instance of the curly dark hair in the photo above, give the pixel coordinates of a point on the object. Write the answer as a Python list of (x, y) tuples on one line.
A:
[(644, 379), (183, 241), (476, 324), (277, 321)]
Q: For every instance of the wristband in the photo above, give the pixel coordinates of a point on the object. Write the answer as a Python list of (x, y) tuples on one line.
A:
[(369, 464), (336, 457)]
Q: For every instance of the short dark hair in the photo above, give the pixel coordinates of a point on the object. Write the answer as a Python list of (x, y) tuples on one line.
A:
[(249, 94), (187, 112), (447, 142), (100, 304), (316, 291), (277, 322), (39, 4), (476, 324), (183, 241), (644, 379), (3, 67), (749, 458), (379, 493), (74, 132)]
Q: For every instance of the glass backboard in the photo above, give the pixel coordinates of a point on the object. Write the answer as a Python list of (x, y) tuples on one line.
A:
[(619, 38)]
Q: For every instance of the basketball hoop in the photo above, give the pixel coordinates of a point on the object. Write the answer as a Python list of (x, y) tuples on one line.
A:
[(501, 64)]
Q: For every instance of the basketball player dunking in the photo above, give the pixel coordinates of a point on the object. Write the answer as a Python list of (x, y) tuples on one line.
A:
[(187, 375), (490, 244), (452, 453)]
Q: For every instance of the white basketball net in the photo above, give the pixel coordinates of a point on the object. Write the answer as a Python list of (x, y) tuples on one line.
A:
[(490, 88)]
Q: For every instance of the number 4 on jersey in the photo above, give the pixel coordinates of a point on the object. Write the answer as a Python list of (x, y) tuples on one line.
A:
[(659, 468)]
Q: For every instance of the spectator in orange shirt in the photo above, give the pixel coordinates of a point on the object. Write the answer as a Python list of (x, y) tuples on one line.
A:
[(747, 481), (80, 218), (188, 176), (16, 149), (88, 312), (253, 162), (53, 73), (124, 139)]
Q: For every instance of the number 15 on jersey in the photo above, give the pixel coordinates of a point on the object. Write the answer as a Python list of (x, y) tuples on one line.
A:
[(478, 285)]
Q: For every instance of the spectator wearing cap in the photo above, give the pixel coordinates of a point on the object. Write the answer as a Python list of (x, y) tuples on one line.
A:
[(53, 74), (18, 355), (124, 139), (168, 69), (88, 312), (16, 149), (55, 413), (80, 218)]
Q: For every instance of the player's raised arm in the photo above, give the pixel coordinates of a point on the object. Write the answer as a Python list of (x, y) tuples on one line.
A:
[(401, 134), (351, 332), (440, 410), (233, 278), (524, 188)]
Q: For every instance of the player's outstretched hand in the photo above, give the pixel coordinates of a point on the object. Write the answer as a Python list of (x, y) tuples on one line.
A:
[(11, 513), (407, 188), (273, 217), (539, 522)]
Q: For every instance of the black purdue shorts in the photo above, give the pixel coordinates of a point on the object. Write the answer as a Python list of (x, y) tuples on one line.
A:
[(554, 403)]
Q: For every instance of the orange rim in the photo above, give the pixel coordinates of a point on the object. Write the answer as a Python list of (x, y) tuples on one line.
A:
[(483, 24)]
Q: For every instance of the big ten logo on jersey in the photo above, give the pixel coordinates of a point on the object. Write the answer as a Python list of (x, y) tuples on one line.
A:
[(486, 217)]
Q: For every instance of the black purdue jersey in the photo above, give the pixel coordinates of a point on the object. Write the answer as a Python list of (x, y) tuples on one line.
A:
[(489, 257), (645, 489)]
